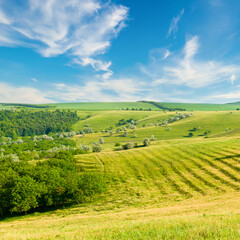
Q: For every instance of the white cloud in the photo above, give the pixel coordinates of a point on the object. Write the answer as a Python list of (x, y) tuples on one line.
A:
[(174, 24), (4, 19), (125, 89), (184, 69), (12, 94), (233, 78), (80, 28), (159, 54), (231, 95), (34, 80)]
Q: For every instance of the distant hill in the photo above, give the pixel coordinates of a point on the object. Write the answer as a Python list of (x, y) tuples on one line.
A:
[(235, 103)]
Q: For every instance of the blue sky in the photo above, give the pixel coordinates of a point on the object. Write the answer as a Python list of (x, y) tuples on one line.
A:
[(119, 50)]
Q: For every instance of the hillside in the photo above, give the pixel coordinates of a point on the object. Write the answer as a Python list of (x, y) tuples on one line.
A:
[(172, 188), (179, 187)]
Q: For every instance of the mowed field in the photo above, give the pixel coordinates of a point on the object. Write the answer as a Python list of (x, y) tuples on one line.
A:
[(174, 189), (179, 187)]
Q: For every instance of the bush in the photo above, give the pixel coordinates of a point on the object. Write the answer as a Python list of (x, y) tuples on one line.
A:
[(146, 142), (101, 141), (117, 144), (128, 145), (96, 147), (125, 133), (190, 134), (152, 138), (84, 148)]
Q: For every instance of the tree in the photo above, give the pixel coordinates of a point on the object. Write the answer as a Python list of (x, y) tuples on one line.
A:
[(146, 142), (84, 147), (96, 147), (101, 141), (128, 145), (25, 194)]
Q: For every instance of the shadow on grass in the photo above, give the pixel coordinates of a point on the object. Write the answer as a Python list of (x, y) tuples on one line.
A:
[(36, 212), (229, 156)]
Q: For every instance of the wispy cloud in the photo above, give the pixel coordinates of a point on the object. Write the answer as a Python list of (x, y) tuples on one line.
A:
[(185, 70), (82, 29), (174, 24), (13, 94), (231, 95), (34, 80), (122, 89), (216, 3)]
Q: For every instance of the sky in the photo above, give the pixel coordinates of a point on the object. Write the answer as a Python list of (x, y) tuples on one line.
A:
[(119, 50)]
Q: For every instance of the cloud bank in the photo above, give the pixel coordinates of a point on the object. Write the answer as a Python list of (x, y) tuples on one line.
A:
[(82, 29), (12, 94)]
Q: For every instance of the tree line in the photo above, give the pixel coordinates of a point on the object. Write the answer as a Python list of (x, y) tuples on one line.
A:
[(29, 122)]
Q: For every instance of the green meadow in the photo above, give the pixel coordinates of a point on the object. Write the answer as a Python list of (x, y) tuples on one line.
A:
[(184, 185)]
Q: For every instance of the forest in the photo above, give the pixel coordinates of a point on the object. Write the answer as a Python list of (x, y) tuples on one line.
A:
[(28, 122)]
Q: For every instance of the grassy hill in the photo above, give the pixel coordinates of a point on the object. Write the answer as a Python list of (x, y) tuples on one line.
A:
[(173, 189), (142, 105), (179, 187), (216, 122), (102, 106), (201, 106)]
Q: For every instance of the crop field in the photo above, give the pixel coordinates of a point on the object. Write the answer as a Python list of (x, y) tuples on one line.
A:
[(180, 187)]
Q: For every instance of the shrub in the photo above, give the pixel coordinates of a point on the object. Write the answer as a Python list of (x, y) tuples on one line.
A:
[(190, 134), (146, 142), (125, 134), (152, 138), (128, 145), (117, 144), (84, 148), (101, 141), (96, 147)]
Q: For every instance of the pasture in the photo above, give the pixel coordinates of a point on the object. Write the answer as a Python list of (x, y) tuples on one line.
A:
[(179, 187)]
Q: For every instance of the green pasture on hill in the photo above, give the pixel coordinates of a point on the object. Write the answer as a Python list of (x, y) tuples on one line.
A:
[(86, 106), (201, 106), (179, 187), (216, 122)]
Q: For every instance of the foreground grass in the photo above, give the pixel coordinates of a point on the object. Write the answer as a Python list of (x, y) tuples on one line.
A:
[(208, 218)]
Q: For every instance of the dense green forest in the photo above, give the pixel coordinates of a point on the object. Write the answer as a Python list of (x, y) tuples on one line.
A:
[(25, 186), (29, 122)]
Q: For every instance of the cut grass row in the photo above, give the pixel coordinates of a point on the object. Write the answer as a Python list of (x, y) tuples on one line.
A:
[(175, 171)]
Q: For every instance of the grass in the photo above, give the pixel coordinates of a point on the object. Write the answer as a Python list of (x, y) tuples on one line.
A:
[(174, 189), (93, 106), (216, 122), (177, 188), (201, 106)]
